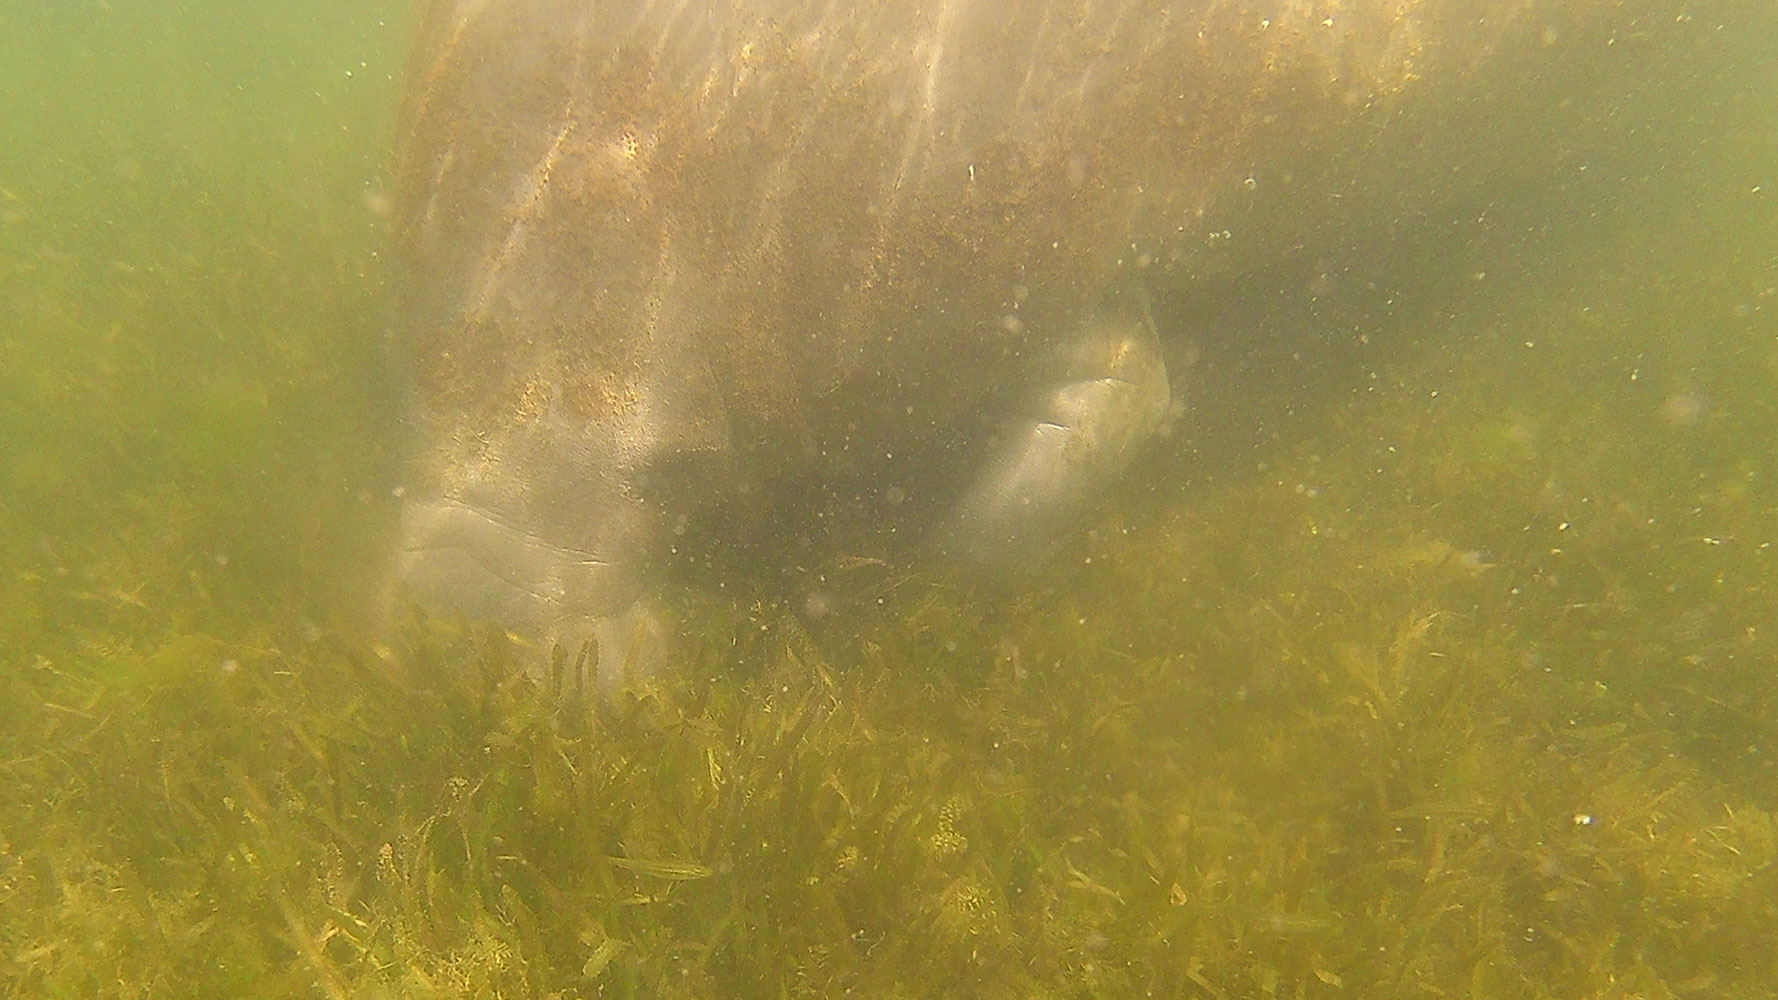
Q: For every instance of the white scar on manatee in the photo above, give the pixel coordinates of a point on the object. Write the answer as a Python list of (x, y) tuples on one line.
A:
[(524, 212)]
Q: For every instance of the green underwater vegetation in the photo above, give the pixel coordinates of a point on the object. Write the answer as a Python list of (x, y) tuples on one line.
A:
[(1434, 658), (1464, 693)]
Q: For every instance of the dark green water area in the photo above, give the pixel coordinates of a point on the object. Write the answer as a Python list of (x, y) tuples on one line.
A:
[(1437, 656)]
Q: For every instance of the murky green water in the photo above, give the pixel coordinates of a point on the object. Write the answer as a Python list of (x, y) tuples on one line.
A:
[(1435, 658)]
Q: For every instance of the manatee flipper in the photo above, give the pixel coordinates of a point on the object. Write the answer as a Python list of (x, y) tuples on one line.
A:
[(457, 554), (1110, 396), (458, 558)]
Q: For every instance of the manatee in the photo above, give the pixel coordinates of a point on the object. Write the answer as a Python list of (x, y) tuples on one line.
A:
[(760, 263)]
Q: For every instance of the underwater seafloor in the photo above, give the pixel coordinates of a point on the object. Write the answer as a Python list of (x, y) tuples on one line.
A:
[(1436, 658)]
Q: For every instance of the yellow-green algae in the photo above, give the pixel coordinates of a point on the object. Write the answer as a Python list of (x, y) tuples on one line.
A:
[(1436, 660), (1465, 694)]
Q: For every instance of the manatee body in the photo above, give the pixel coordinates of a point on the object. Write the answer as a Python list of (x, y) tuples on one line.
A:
[(658, 259)]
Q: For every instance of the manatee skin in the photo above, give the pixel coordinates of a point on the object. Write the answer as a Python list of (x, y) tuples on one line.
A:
[(656, 256)]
